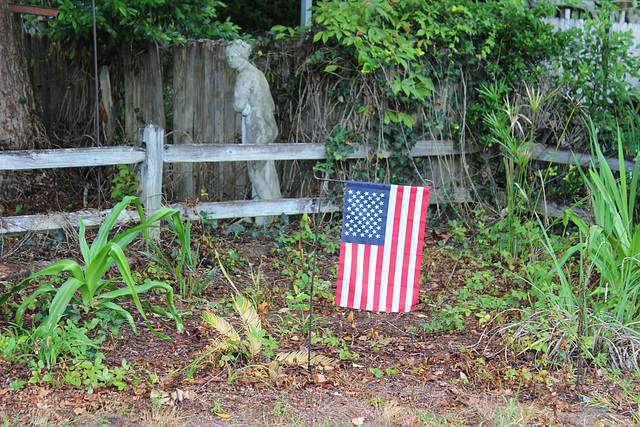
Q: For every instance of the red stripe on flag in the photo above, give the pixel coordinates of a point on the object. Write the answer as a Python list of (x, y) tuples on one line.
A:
[(354, 272)]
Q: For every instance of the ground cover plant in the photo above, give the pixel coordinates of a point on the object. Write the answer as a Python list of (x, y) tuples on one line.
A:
[(242, 357), (521, 320)]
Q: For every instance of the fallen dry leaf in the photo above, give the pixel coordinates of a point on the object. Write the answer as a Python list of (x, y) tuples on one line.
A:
[(301, 358), (263, 307), (162, 397), (410, 422), (358, 421), (319, 379)]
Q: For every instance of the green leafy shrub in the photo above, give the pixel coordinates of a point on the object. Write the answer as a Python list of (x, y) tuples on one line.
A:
[(125, 183), (596, 74), (392, 71), (139, 20), (87, 285)]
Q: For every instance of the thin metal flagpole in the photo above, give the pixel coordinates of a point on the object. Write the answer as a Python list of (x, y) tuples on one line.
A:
[(315, 257), (96, 93)]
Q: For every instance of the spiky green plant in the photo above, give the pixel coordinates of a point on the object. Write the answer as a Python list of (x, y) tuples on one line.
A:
[(616, 251), (88, 286)]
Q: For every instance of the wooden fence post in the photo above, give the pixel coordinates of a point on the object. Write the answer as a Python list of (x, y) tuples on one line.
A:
[(150, 184)]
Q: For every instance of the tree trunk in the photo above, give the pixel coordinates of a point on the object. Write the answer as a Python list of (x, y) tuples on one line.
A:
[(16, 95)]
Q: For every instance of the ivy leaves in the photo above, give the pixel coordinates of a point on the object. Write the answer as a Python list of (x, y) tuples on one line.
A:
[(140, 20), (381, 37)]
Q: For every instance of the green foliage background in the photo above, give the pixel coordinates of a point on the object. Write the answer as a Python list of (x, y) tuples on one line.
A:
[(167, 22), (260, 15)]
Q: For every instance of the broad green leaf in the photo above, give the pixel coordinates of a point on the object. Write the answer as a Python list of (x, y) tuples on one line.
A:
[(43, 289), (250, 320), (58, 306), (140, 289), (109, 222), (124, 313), (65, 265), (84, 247)]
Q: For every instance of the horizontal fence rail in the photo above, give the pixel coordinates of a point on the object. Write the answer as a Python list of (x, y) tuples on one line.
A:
[(215, 210), (155, 154), (70, 157), (194, 153), (568, 157)]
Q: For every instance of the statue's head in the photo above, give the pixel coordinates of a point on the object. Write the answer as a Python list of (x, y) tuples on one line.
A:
[(237, 53)]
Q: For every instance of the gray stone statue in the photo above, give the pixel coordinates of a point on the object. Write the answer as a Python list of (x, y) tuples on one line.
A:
[(252, 98)]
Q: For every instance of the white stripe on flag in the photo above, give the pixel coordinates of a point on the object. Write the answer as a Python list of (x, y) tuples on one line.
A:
[(360, 262), (371, 285)]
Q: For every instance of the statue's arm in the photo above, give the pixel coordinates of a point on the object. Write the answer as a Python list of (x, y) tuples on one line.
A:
[(241, 95)]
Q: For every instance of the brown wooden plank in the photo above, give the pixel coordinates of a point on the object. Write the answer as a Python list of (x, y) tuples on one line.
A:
[(32, 10)]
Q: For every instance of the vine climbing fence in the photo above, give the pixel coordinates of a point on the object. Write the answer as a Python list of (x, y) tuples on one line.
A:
[(155, 154), (188, 91)]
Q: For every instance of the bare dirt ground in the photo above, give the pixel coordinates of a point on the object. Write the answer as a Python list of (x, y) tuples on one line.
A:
[(390, 371)]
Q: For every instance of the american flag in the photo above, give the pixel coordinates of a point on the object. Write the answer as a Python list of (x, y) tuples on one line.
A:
[(381, 249)]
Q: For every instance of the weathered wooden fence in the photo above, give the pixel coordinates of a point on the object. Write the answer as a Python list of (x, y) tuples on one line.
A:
[(203, 86), (156, 154), (195, 90)]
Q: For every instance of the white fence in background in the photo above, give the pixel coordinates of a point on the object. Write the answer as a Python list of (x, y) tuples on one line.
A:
[(155, 153), (566, 23)]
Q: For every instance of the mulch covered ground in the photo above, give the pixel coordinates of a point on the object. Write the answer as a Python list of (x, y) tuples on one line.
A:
[(393, 372)]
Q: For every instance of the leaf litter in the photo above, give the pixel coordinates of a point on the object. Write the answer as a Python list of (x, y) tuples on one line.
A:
[(374, 369)]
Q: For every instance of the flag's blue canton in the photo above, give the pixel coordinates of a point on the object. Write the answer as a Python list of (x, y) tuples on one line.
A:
[(365, 213)]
